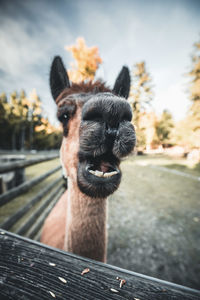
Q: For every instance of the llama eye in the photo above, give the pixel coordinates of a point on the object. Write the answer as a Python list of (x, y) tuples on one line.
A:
[(64, 118)]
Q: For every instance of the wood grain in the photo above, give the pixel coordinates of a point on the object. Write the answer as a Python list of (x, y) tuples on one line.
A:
[(30, 270), (14, 165)]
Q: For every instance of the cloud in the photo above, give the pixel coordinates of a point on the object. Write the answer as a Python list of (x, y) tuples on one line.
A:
[(26, 56), (22, 50)]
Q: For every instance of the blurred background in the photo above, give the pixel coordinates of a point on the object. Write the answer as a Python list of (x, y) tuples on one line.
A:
[(154, 217)]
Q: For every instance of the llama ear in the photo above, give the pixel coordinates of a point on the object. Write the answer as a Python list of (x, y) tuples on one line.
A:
[(122, 83), (59, 79)]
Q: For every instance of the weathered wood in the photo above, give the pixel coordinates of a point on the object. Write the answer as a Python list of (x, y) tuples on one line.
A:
[(10, 221), (8, 196), (15, 177), (6, 167), (38, 224), (30, 270), (37, 212)]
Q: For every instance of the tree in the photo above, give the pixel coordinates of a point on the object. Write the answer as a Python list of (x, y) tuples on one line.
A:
[(20, 118), (47, 136), (5, 128), (147, 123), (23, 107), (187, 131), (35, 115), (195, 74), (194, 111), (87, 61), (164, 128), (140, 99)]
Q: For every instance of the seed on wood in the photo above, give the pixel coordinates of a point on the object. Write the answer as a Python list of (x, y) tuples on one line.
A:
[(52, 264), (117, 278), (114, 291), (85, 271), (52, 294), (136, 299), (2, 232), (122, 282), (62, 279)]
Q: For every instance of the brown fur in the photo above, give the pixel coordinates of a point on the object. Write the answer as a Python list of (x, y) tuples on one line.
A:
[(53, 233), (84, 87), (77, 223), (86, 225)]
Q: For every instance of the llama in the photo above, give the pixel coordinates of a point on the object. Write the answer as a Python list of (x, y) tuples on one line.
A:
[(97, 133)]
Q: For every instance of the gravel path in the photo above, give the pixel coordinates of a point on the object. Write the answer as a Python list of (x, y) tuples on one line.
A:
[(154, 224)]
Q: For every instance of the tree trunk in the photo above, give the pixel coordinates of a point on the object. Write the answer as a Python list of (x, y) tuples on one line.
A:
[(14, 139), (22, 137), (31, 135)]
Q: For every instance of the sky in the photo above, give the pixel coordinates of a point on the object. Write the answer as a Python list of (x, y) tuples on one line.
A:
[(161, 33)]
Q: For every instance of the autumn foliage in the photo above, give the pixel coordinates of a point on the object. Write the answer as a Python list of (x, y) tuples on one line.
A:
[(87, 61), (23, 124)]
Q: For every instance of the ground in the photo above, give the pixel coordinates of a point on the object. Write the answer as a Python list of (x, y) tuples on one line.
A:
[(154, 221)]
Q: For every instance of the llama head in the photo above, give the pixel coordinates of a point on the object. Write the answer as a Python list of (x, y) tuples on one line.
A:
[(97, 129)]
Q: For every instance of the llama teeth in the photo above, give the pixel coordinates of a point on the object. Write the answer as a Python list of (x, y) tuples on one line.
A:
[(101, 174), (92, 172), (109, 174), (106, 175), (114, 173), (98, 173)]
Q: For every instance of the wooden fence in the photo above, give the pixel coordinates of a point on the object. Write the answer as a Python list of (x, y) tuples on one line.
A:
[(37, 207), (30, 270)]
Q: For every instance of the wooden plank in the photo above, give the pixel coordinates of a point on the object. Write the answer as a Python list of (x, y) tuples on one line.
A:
[(37, 212), (7, 167), (30, 270), (38, 224), (8, 196), (10, 221)]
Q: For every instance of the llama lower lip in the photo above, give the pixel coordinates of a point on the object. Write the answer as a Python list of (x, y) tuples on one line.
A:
[(96, 183), (98, 176)]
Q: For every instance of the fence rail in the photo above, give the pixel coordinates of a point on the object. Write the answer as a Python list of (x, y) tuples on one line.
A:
[(10, 221), (30, 270), (8, 166), (32, 214), (55, 195), (10, 195)]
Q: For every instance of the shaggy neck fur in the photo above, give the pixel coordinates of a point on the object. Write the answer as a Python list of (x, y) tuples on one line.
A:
[(85, 224), (85, 232)]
